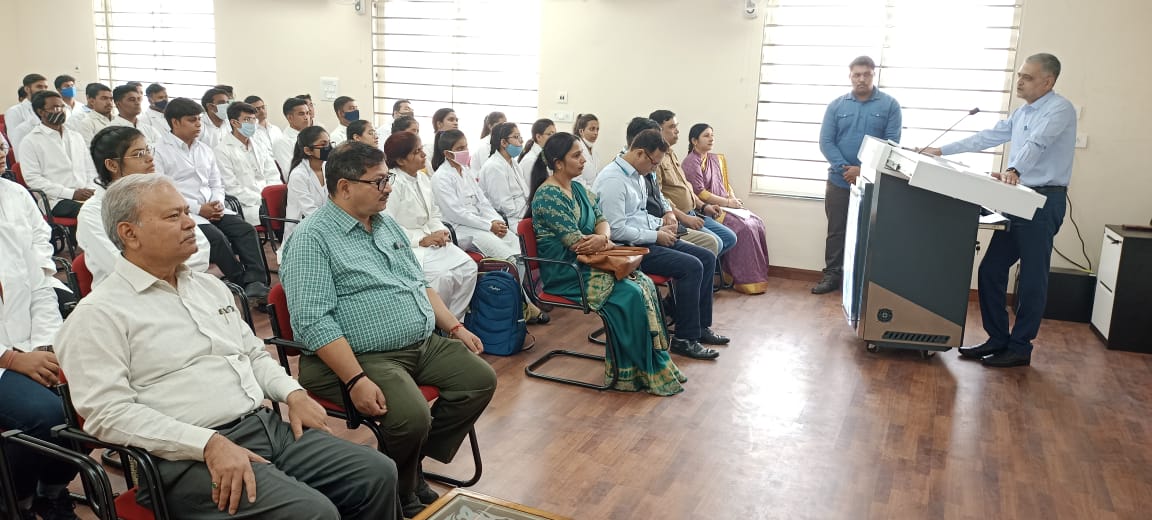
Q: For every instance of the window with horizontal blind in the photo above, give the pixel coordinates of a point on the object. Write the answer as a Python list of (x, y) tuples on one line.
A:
[(476, 56), (171, 42), (938, 58)]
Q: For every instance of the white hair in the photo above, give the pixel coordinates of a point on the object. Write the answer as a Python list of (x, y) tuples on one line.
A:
[(122, 202)]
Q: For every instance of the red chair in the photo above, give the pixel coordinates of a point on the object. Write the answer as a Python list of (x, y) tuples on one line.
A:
[(276, 202), (286, 347), (83, 275), (61, 227)]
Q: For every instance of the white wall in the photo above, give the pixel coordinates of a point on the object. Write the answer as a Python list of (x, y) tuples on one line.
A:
[(699, 58)]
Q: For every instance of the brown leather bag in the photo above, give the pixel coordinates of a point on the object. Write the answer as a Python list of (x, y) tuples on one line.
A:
[(621, 261)]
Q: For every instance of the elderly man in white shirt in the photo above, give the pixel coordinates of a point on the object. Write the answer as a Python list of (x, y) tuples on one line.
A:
[(55, 159), (346, 113), (245, 167), (100, 115), (129, 103), (299, 117), (192, 166), (29, 320), (22, 111), (214, 124), (266, 133), (119, 151), (142, 348)]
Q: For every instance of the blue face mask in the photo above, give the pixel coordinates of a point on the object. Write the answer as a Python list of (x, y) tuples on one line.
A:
[(514, 150), (161, 105), (222, 110), (248, 129), (68, 92), (352, 115)]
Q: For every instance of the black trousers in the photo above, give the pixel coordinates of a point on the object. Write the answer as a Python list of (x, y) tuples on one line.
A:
[(232, 237), (66, 208), (691, 268), (836, 210)]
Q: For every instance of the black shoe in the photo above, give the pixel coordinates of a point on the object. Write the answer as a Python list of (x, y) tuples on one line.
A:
[(256, 291), (541, 319), (829, 283), (59, 507), (708, 337), (424, 492), (979, 351), (1007, 359), (692, 348), (411, 505)]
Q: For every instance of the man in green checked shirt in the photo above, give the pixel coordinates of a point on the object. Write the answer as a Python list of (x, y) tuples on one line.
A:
[(361, 306)]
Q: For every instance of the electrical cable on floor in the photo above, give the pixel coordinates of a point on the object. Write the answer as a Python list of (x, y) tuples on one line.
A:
[(1083, 246)]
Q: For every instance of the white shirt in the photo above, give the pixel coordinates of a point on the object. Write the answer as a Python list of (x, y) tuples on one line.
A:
[(150, 134), (87, 124), (428, 149), (283, 147), (213, 135), (156, 120), (194, 170), (58, 163), (460, 199), (18, 113), (29, 312), (100, 254), (246, 169), (529, 159), (266, 135), (156, 367), (481, 154), (412, 205), (306, 194), (4, 147), (338, 135), (21, 131), (591, 163), (504, 185)]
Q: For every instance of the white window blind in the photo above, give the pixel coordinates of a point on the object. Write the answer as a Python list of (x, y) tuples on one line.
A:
[(476, 56), (171, 42), (938, 58)]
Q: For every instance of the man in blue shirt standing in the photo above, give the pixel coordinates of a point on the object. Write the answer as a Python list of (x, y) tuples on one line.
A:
[(864, 111), (1043, 137)]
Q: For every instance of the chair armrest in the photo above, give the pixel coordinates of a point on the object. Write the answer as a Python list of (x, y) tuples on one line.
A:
[(97, 487), (353, 417), (144, 463), (571, 265)]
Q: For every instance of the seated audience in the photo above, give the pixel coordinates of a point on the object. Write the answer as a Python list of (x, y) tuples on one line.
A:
[(245, 167), (620, 189), (118, 151), (406, 124), (143, 348), (587, 129), (443, 120), (346, 113), (98, 115), (55, 159), (266, 133), (484, 148), (21, 112), (501, 179), (66, 86), (746, 265), (402, 107), (212, 125), (449, 270), (542, 129), (157, 102), (299, 118), (366, 316), (192, 166), (568, 222), (306, 191), (129, 104), (478, 225), (29, 319), (362, 131)]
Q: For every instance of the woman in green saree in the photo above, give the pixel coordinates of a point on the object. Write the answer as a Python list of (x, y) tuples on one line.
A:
[(567, 222)]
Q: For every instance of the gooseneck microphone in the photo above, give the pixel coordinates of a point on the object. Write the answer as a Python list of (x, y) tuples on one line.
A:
[(974, 111)]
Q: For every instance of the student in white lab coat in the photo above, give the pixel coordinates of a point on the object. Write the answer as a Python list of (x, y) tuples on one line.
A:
[(99, 115), (412, 204), (266, 133), (118, 151), (587, 128), (129, 103), (346, 113), (501, 177), (442, 121), (157, 101), (542, 129), (22, 111), (215, 103), (463, 202), (306, 191), (66, 86), (484, 148), (245, 167), (296, 112), (363, 132), (406, 124)]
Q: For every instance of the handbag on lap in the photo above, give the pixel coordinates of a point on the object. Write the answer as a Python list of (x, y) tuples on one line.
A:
[(621, 261)]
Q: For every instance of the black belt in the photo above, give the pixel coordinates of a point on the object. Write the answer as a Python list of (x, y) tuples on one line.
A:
[(1050, 189), (233, 424)]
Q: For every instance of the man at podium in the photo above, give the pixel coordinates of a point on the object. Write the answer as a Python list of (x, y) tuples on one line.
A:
[(1043, 139)]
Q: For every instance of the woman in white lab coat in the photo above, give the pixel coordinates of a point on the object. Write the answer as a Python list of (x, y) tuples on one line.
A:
[(412, 204), (484, 148), (443, 120), (587, 128), (501, 177), (306, 190), (542, 129), (463, 203)]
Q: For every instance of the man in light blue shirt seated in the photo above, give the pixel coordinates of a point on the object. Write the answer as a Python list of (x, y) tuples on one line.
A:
[(864, 111), (623, 197), (1043, 137)]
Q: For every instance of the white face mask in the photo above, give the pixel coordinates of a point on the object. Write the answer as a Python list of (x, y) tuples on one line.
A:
[(222, 110)]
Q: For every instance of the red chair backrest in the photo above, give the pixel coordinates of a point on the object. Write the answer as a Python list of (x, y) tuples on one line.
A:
[(527, 238), (276, 199), (83, 275), (281, 323), (19, 174)]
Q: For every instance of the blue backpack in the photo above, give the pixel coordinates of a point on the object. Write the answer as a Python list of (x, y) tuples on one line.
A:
[(497, 313)]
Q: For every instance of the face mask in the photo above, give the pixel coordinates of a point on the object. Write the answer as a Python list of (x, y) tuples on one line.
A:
[(68, 92), (161, 105), (248, 129), (352, 116), (514, 150), (324, 152), (222, 111), (55, 118), (462, 158)]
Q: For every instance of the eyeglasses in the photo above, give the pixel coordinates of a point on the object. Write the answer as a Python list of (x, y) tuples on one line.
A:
[(380, 183), (140, 154)]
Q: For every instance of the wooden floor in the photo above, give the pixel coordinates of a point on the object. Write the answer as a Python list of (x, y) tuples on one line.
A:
[(795, 421)]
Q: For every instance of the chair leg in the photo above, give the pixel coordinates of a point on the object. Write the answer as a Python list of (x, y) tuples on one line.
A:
[(595, 336), (475, 463), (532, 369)]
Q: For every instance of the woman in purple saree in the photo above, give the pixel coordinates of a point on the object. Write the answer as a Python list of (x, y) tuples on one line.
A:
[(746, 264)]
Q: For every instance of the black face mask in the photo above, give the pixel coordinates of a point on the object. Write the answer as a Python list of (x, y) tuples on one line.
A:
[(324, 152), (56, 118)]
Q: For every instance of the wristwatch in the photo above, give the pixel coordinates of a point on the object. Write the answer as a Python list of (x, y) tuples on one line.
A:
[(1013, 170)]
